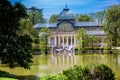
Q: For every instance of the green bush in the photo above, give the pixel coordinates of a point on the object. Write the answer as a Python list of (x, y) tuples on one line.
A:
[(91, 72), (6, 74), (78, 73), (102, 72)]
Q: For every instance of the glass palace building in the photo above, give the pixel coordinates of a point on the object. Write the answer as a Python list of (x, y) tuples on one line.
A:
[(64, 31)]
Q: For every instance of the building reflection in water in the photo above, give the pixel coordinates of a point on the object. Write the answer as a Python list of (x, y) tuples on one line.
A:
[(63, 59)]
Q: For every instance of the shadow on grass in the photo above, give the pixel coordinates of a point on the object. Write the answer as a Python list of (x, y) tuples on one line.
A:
[(29, 77)]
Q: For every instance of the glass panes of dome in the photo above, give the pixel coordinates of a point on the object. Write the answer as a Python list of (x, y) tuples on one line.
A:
[(65, 27)]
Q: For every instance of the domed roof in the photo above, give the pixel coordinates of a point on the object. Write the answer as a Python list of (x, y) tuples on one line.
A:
[(66, 14)]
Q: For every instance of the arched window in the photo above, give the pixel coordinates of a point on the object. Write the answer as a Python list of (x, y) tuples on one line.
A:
[(52, 42), (65, 27)]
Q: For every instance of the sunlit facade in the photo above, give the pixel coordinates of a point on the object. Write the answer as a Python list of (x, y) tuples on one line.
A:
[(64, 31)]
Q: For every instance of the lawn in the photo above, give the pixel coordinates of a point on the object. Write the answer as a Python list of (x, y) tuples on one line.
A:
[(1, 78)]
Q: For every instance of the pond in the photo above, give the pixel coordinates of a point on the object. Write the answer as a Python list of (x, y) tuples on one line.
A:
[(49, 64)]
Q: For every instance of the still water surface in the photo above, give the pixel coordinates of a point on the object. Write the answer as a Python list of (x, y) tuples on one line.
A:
[(49, 64)]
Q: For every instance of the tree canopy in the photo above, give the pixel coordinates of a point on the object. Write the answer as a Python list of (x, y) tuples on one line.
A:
[(85, 18), (15, 48), (35, 15), (53, 18), (113, 24), (99, 16), (27, 28), (82, 38), (44, 35)]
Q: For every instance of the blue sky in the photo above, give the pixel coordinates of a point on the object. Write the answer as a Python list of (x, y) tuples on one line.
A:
[(77, 6)]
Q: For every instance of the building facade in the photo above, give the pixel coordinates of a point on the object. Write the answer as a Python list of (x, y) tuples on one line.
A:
[(64, 31)]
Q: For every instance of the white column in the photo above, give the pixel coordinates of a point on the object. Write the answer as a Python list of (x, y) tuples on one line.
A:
[(71, 40), (58, 40), (63, 40), (55, 41), (67, 40), (74, 40)]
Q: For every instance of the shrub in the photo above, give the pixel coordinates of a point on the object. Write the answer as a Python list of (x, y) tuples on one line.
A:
[(6, 74), (55, 77), (78, 73), (91, 72), (102, 72)]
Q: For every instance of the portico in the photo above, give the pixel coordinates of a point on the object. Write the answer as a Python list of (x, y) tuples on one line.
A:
[(63, 39)]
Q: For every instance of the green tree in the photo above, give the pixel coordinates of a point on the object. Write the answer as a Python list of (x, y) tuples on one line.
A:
[(90, 72), (99, 16), (85, 18), (82, 38), (44, 35), (28, 28), (15, 49), (113, 24), (35, 15), (53, 18), (93, 41)]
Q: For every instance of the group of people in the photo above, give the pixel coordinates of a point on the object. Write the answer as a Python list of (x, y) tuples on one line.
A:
[(63, 49)]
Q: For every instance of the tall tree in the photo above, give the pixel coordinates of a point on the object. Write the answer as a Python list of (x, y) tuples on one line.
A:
[(44, 35), (28, 28), (15, 49), (99, 16), (85, 18), (113, 24), (35, 15), (53, 18), (82, 38)]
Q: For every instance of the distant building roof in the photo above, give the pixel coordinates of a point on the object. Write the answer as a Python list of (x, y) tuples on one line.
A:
[(96, 33), (42, 25), (87, 24), (77, 24)]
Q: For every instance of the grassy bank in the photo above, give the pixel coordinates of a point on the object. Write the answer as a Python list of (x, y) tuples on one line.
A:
[(1, 78)]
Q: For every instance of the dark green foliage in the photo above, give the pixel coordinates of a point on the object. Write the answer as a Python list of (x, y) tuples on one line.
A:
[(15, 48), (92, 72), (78, 73), (102, 72), (112, 26), (6, 74), (82, 37), (44, 35)]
